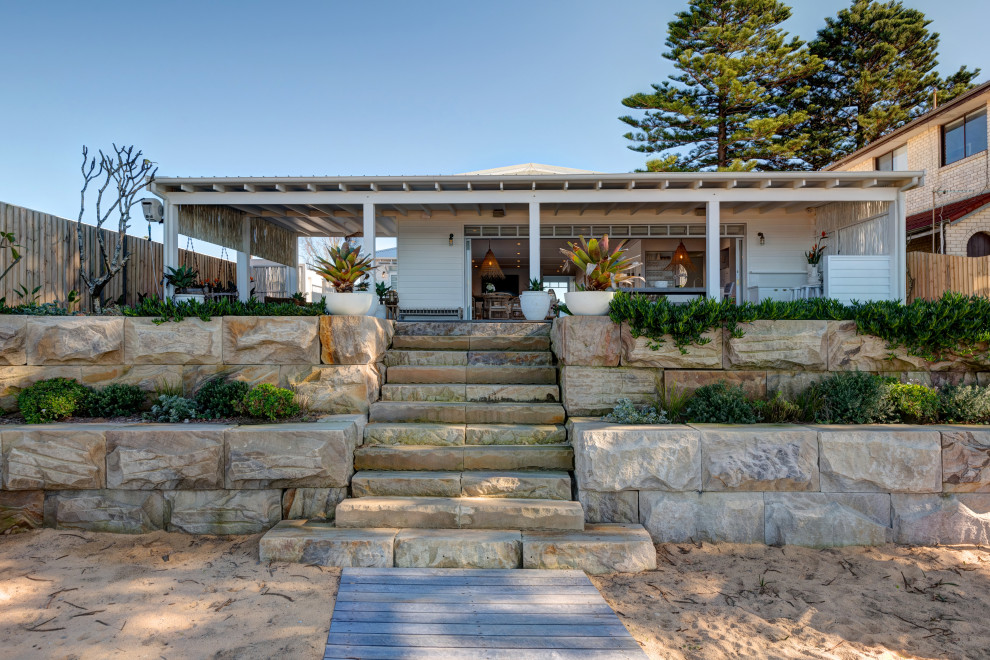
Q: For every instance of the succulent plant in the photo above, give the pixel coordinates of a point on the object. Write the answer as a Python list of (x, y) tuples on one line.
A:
[(344, 267), (600, 269), (181, 278)]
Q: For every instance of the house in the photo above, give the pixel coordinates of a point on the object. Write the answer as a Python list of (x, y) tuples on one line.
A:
[(744, 234), (950, 212)]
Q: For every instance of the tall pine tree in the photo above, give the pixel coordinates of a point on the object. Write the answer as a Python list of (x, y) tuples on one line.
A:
[(732, 104), (878, 73)]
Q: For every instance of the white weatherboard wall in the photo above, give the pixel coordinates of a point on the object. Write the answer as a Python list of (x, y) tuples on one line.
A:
[(862, 278), (780, 262), (431, 272)]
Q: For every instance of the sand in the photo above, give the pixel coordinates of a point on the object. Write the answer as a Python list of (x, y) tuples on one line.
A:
[(85, 595)]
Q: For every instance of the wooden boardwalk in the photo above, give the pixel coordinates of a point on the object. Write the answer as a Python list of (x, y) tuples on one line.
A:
[(462, 613)]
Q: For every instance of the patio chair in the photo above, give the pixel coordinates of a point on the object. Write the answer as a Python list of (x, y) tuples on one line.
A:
[(729, 291), (515, 311), (498, 306)]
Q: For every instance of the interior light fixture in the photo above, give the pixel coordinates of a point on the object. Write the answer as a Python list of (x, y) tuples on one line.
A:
[(489, 266), (680, 258)]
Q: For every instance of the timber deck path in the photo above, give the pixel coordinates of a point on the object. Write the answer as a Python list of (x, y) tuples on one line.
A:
[(441, 613)]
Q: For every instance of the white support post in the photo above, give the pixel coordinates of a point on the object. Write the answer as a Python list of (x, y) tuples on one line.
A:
[(170, 243), (368, 236), (713, 285), (292, 272), (899, 274), (244, 262), (534, 241)]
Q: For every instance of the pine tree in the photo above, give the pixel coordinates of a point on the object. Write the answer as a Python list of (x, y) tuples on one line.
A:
[(732, 104), (878, 74)]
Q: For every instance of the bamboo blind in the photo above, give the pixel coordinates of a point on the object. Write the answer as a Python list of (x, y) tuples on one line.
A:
[(931, 275)]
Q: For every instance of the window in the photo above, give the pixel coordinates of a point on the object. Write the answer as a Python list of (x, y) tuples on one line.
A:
[(978, 245), (964, 137), (895, 160)]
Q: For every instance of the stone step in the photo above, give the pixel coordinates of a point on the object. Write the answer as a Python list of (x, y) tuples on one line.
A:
[(465, 457), (460, 434), (303, 542), (597, 549), (459, 513), (467, 413), (446, 358), (466, 343), (473, 374), (518, 484), (458, 392), (474, 328)]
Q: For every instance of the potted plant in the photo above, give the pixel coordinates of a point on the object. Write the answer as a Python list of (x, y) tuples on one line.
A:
[(184, 282), (535, 303), (598, 271), (814, 256), (342, 269)]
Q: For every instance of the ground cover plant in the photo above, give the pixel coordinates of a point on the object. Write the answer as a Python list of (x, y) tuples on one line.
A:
[(116, 400)]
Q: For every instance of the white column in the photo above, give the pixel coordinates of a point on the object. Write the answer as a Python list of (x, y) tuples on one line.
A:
[(713, 287), (534, 241), (898, 265), (292, 272), (244, 262), (369, 229), (170, 242)]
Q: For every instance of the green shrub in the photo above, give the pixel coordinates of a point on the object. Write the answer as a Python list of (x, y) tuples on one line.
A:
[(270, 402), (52, 399), (116, 400), (853, 397), (964, 404), (169, 310), (627, 413), (777, 410), (219, 398), (720, 404), (172, 409), (913, 403), (672, 400)]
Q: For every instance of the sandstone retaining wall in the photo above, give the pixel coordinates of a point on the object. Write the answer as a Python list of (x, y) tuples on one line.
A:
[(787, 484), (196, 478)]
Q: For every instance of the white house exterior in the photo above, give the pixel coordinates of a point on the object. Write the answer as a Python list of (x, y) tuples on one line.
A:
[(747, 229)]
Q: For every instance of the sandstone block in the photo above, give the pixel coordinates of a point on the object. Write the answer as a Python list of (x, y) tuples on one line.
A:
[(531, 485), (822, 520), (514, 513), (426, 358), (116, 511), (787, 345), (596, 550), (404, 512), (942, 519), (849, 351), (75, 340), (423, 392), (15, 379), (508, 329), (441, 548), (409, 457), (324, 545), (54, 456), (354, 339), (334, 389), (434, 328), (193, 377), (636, 352), (791, 384), (319, 455), (886, 459), (596, 390), (146, 376), (712, 517), (611, 457), (586, 341), (317, 504), (21, 510), (758, 457), (271, 340), (512, 393), (515, 434), (414, 434), (370, 483), (966, 459), (620, 507), (191, 341), (183, 457), (223, 511), (506, 457), (13, 331), (753, 383), (514, 413)]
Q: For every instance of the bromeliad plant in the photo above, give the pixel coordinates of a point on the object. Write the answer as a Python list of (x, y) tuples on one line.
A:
[(344, 267), (814, 255), (182, 278), (600, 269)]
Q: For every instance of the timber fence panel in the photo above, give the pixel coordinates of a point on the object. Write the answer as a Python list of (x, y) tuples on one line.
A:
[(931, 275)]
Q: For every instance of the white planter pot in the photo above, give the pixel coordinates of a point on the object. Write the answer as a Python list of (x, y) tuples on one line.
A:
[(535, 305), (189, 297), (813, 277), (589, 303), (349, 304)]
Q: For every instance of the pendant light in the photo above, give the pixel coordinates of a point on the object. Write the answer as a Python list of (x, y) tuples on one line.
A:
[(490, 270), (680, 258)]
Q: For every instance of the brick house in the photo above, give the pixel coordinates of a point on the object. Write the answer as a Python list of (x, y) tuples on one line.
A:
[(950, 212)]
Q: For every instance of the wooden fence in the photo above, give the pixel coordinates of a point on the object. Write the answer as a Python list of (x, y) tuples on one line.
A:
[(931, 275), (50, 250)]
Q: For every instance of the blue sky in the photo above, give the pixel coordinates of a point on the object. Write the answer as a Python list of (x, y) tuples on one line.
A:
[(371, 87)]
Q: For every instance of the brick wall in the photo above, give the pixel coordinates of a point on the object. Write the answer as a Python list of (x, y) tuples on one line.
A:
[(958, 235)]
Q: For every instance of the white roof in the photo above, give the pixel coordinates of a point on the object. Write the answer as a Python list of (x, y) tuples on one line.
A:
[(529, 169)]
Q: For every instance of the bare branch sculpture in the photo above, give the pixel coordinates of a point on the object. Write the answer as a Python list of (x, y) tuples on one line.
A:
[(120, 176)]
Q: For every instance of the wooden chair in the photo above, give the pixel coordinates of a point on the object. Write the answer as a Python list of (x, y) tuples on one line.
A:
[(515, 311), (498, 306)]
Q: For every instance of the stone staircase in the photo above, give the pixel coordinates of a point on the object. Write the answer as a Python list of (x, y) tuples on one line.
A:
[(465, 463)]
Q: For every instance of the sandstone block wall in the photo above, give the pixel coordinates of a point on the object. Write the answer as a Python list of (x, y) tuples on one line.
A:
[(196, 478), (333, 362), (787, 484)]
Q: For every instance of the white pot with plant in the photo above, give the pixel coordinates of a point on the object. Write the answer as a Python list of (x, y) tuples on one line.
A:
[(535, 303), (183, 281), (814, 256), (342, 269), (599, 273)]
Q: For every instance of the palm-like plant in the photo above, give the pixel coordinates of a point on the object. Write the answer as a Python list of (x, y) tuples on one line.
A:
[(599, 268), (344, 267)]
